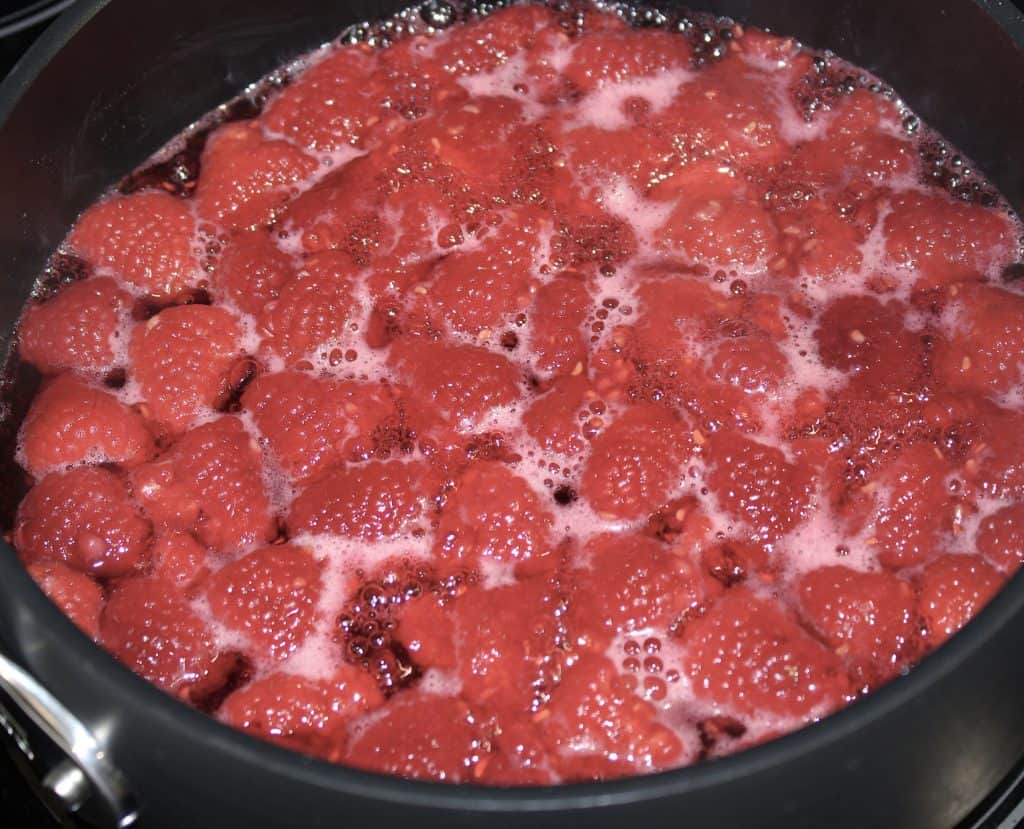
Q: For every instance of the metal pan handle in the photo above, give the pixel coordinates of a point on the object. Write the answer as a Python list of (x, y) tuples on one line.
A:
[(71, 768)]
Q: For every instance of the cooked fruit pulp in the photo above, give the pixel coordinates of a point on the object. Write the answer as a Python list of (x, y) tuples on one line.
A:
[(537, 400)]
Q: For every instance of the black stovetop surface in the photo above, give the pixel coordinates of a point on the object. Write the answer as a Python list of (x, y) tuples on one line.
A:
[(21, 809)]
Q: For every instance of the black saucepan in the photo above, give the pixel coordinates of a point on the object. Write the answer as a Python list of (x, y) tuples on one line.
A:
[(112, 81)]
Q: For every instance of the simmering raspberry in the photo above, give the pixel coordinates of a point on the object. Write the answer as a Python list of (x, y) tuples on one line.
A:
[(147, 239), (74, 422), (85, 518)]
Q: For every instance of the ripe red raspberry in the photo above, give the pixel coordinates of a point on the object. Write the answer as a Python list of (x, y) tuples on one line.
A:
[(179, 558), (371, 501), (487, 285), (331, 105), (311, 423), (749, 656), (304, 714), (1000, 537), (557, 314), (862, 336), (727, 114), (951, 590), (868, 619), (85, 518), (78, 596), (494, 514), (246, 179), (755, 365), (981, 351), (506, 640), (907, 507), (426, 629), (489, 42), (148, 239), (269, 597), (251, 271), (464, 381), (859, 144), (420, 736), (182, 359), (211, 483), (613, 57), (151, 627), (312, 313), (595, 727), (634, 464), (518, 755), (76, 329), (629, 583), (755, 482), (553, 418), (72, 422), (937, 240)]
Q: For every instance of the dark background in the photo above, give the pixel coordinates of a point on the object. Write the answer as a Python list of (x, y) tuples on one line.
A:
[(20, 24)]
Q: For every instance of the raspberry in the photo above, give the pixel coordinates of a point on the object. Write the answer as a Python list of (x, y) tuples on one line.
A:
[(150, 626), (179, 559), (85, 518), (251, 271), (630, 583), (821, 243), (464, 381), (595, 726), (616, 57), (558, 312), (635, 153), (752, 364), (979, 352), (311, 423), (727, 114), (553, 419), (506, 640), (77, 595), (75, 329), (634, 463), (494, 514), (478, 140), (755, 482), (1000, 537), (300, 713), (426, 629), (859, 145), (269, 597), (375, 208), (312, 312), (332, 104), (518, 756), (371, 501), (210, 482), (938, 240), (716, 222), (751, 656), (72, 422), (247, 179), (148, 239), (860, 335), (487, 285), (908, 507), (951, 590), (420, 736), (182, 359), (868, 619), (995, 462), (487, 43)]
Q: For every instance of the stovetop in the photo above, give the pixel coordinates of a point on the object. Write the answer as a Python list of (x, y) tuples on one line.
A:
[(20, 808)]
